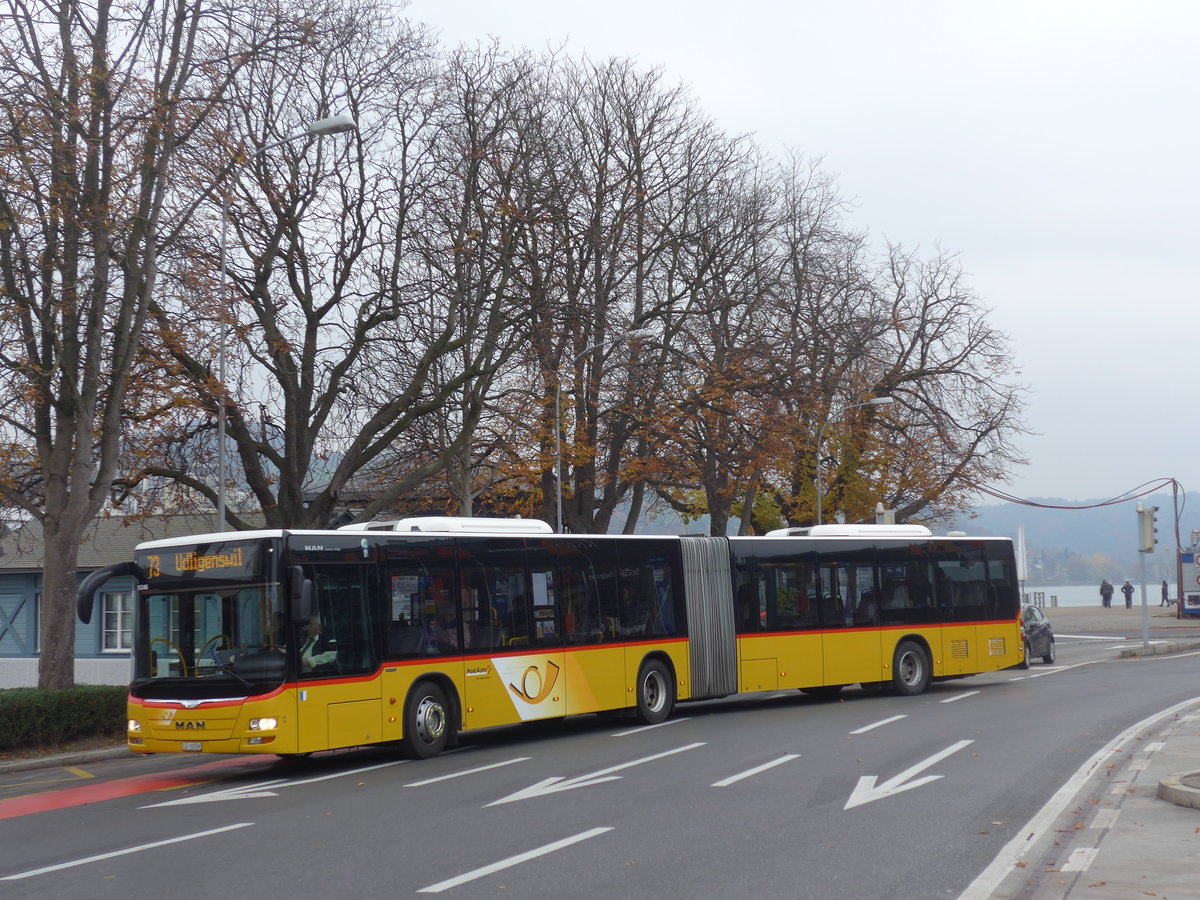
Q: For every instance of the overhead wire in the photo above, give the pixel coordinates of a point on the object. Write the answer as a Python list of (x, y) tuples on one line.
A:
[(1142, 490)]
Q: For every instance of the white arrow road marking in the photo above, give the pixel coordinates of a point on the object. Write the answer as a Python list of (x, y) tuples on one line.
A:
[(866, 790), (251, 791), (126, 851), (511, 861), (558, 783), (245, 792)]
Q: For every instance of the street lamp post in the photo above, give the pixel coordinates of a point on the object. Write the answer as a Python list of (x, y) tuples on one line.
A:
[(874, 401), (633, 333), (333, 125)]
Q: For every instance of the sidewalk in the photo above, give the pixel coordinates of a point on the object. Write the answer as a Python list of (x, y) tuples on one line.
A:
[(1128, 826), (76, 758), (1118, 620)]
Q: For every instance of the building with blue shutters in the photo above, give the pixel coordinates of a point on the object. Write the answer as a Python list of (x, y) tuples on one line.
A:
[(102, 647)]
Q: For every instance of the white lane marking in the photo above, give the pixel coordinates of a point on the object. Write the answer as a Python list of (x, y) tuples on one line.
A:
[(1138, 765), (252, 791), (1105, 818), (959, 697), (1052, 670), (642, 728), (867, 790), (878, 724), (990, 878), (1080, 860), (557, 783), (102, 856), (732, 779), (511, 861), (507, 762), (1089, 637), (358, 771), (1154, 746)]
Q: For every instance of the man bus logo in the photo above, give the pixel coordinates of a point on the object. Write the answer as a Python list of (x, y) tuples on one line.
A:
[(188, 726), (534, 688)]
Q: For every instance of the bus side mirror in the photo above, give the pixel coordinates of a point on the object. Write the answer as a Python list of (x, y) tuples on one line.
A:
[(302, 595), (85, 594)]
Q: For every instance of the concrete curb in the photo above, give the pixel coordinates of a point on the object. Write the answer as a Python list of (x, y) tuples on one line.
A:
[(62, 759), (1159, 649), (1182, 790)]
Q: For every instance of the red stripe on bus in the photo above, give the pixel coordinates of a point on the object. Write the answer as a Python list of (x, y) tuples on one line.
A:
[(852, 629)]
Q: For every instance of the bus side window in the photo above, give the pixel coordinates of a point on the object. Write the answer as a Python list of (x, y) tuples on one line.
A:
[(544, 628), (495, 573), (586, 580), (648, 597), (418, 582)]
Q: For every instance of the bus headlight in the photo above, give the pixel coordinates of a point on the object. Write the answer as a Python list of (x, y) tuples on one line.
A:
[(134, 725), (264, 724)]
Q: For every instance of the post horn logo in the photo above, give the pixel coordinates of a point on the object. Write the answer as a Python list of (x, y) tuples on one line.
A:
[(534, 688)]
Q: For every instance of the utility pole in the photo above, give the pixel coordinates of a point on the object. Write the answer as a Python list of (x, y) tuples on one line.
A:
[(1146, 541)]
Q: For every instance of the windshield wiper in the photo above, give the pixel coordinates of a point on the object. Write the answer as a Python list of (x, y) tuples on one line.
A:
[(227, 668)]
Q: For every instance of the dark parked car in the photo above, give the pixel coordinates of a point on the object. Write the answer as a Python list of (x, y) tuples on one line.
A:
[(1039, 636)]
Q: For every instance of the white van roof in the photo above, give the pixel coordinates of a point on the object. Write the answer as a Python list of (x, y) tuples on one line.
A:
[(853, 531), (457, 525)]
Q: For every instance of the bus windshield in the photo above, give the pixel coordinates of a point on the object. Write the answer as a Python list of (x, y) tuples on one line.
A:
[(209, 623)]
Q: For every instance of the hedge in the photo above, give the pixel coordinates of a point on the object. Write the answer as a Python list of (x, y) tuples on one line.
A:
[(30, 717)]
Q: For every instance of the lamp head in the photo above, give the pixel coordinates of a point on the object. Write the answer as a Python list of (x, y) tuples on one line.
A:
[(338, 124)]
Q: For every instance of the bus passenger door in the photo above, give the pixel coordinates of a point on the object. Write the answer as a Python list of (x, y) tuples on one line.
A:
[(338, 702), (852, 643), (779, 641)]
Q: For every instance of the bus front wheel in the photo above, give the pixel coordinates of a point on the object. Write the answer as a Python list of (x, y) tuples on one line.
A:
[(655, 692), (426, 722), (910, 668)]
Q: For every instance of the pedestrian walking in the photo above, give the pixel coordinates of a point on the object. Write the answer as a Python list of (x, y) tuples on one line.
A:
[(1127, 590), (1166, 598), (1106, 592)]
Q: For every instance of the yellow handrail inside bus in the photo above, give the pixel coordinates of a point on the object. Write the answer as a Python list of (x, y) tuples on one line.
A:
[(182, 664)]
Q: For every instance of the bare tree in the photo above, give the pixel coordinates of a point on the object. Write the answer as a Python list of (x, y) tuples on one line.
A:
[(623, 154), (96, 101), (713, 430), (370, 276), (952, 374)]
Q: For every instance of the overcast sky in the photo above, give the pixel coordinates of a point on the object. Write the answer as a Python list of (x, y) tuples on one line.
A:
[(1052, 144)]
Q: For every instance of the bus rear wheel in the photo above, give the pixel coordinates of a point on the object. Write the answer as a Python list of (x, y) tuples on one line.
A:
[(910, 668), (655, 692), (1024, 663), (426, 722)]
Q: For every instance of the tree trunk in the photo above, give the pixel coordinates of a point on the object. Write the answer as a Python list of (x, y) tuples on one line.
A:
[(56, 664)]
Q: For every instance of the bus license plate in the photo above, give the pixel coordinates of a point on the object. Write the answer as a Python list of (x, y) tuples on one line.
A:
[(191, 746)]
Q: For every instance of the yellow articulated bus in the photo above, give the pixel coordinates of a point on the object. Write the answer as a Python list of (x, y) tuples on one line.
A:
[(291, 642)]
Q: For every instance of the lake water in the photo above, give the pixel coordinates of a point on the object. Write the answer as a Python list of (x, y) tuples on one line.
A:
[(1089, 594)]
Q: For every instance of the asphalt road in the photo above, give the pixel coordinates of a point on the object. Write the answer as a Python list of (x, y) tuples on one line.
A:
[(777, 795)]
